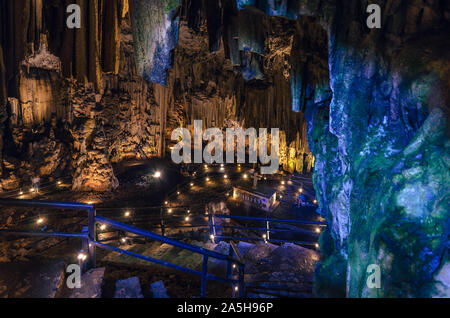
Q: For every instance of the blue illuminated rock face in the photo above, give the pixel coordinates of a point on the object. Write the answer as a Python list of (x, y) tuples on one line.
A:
[(155, 30), (381, 144), (382, 148)]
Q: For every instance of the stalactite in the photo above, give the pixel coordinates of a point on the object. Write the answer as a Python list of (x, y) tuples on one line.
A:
[(67, 39), (252, 33), (81, 46), (214, 23), (156, 35), (231, 32), (39, 87), (95, 45), (111, 37)]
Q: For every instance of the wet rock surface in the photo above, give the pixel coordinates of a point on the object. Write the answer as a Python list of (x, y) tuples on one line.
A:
[(158, 290), (129, 288), (91, 285)]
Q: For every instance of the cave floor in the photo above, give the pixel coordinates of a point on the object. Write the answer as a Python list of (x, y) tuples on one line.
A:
[(142, 195)]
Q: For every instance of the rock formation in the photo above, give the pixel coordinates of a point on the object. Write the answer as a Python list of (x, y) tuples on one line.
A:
[(367, 108), (382, 147)]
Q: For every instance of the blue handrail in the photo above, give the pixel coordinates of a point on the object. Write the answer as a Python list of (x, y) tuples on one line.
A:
[(46, 204), (163, 239), (215, 236), (45, 234), (90, 242), (250, 218)]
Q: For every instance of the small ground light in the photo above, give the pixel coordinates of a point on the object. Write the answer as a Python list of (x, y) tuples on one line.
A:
[(192, 184), (317, 230), (234, 266), (123, 240), (82, 257), (188, 211), (301, 190), (187, 219), (127, 213), (103, 227), (315, 201), (157, 174), (32, 190), (211, 237), (317, 245), (283, 183), (225, 176), (40, 221), (59, 182), (21, 193), (245, 176), (170, 210), (236, 288), (264, 237), (207, 179)]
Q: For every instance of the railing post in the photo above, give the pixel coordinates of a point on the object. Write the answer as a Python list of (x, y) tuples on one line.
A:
[(163, 229), (212, 227), (204, 275), (268, 230), (85, 248), (92, 238), (229, 263), (241, 281)]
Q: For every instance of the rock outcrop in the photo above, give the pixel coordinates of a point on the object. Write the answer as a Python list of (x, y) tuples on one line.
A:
[(380, 145)]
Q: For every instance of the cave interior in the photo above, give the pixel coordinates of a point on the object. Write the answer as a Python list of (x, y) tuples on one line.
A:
[(87, 115)]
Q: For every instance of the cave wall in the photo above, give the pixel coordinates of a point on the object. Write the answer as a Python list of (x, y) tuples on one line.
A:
[(382, 146), (153, 67), (232, 73)]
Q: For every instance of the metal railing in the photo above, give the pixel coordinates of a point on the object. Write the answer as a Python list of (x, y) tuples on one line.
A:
[(90, 242), (215, 229)]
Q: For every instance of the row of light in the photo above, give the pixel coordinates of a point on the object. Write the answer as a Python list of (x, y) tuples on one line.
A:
[(301, 191), (35, 189)]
